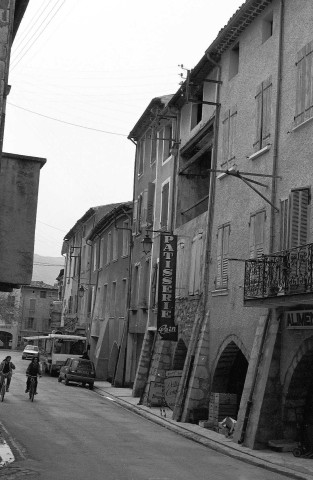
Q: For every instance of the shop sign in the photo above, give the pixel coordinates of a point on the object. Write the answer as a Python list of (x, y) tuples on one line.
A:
[(167, 282), (171, 385), (299, 319)]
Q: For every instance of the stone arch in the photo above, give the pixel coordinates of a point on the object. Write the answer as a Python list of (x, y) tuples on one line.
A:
[(230, 368), (179, 355), (6, 339), (112, 361), (297, 393)]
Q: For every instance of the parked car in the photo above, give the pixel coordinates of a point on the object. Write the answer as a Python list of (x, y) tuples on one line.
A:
[(78, 370), (30, 351)]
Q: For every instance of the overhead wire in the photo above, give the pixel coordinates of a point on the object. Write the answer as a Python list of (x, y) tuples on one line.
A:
[(17, 43), (15, 63)]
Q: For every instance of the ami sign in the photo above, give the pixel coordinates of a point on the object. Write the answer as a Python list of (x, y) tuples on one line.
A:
[(167, 280)]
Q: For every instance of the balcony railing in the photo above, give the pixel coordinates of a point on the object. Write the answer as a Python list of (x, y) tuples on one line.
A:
[(284, 273)]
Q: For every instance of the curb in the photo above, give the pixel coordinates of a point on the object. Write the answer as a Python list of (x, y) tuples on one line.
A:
[(213, 445)]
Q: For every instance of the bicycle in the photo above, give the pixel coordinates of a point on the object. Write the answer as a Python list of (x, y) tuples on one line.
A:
[(32, 386), (3, 385)]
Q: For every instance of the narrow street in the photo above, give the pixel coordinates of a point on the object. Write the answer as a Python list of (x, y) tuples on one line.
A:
[(72, 433)]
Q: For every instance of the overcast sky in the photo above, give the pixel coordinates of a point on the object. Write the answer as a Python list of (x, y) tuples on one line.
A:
[(96, 64)]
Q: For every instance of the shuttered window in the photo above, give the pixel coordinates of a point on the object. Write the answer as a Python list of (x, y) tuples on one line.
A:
[(257, 224), (195, 265), (139, 213), (229, 134), (304, 93), (150, 203), (167, 142), (135, 217), (222, 256), (294, 219), (299, 209), (140, 156), (164, 206), (180, 269), (263, 114)]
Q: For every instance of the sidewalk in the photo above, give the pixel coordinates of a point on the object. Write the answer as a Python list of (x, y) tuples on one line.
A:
[(284, 463)]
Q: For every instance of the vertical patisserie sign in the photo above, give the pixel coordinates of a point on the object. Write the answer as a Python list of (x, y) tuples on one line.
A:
[(166, 292)]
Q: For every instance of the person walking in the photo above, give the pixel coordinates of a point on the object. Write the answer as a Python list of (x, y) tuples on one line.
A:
[(33, 370), (6, 369)]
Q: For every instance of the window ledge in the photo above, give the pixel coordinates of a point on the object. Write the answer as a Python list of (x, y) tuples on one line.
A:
[(260, 152), (219, 293), (308, 120), (223, 175)]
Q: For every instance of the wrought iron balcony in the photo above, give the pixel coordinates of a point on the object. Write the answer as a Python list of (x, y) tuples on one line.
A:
[(285, 273)]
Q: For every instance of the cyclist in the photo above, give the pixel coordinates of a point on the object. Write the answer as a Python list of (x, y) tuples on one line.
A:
[(6, 368), (33, 370)]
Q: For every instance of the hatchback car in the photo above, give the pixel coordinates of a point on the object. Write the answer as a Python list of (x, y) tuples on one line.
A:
[(78, 370), (30, 351)]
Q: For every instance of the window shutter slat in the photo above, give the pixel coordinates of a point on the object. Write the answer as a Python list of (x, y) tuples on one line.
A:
[(258, 120), (150, 203), (299, 200), (266, 112), (284, 204), (219, 258)]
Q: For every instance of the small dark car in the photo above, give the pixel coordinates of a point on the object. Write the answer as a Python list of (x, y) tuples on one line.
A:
[(78, 370)]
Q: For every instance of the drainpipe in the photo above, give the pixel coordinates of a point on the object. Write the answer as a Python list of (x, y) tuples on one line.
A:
[(181, 405), (273, 213)]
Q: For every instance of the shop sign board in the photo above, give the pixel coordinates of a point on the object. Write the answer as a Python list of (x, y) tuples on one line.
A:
[(299, 319), (166, 293), (171, 384)]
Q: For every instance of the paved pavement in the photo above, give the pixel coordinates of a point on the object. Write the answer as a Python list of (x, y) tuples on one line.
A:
[(284, 463)]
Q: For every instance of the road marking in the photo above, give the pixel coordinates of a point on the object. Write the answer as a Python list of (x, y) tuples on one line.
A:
[(109, 398)]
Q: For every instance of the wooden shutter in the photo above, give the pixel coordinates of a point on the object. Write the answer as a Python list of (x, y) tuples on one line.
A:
[(180, 267), (198, 257), (150, 203), (219, 257), (153, 145), (258, 119), (144, 207), (300, 93), (266, 109), (167, 141), (225, 136), (252, 238), (192, 266), (226, 232), (164, 210), (299, 210), (257, 222), (140, 157), (139, 213), (284, 210)]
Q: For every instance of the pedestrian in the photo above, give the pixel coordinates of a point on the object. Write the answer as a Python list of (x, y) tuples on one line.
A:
[(6, 369), (33, 370)]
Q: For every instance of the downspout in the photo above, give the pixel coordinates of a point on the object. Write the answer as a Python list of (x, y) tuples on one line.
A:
[(180, 407), (272, 224)]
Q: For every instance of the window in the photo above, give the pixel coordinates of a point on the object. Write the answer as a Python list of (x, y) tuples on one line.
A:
[(153, 146), (257, 223), (144, 287), (135, 285), (140, 156), (109, 242), (150, 204), (180, 269), (267, 27), (196, 96), (229, 134), (113, 300), (294, 219), (263, 114), (222, 256), (115, 245), (101, 252), (234, 61), (195, 265), (304, 93), (167, 142), (70, 304), (135, 217), (165, 206), (124, 297), (139, 213), (125, 246), (91, 291), (32, 304), (43, 294), (95, 256), (30, 323), (105, 298)]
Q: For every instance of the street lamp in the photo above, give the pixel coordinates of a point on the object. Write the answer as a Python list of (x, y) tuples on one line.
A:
[(146, 244), (83, 288)]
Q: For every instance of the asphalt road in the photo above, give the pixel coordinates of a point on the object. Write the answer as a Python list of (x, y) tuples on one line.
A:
[(72, 433)]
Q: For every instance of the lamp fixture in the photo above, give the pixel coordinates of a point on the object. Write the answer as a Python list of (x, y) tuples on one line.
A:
[(146, 244), (83, 288)]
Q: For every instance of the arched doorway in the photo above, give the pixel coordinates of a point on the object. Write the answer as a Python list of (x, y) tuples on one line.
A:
[(179, 355), (6, 340), (298, 395), (230, 372)]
